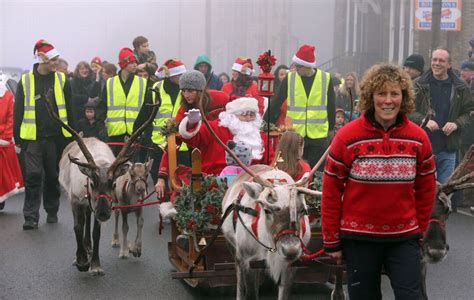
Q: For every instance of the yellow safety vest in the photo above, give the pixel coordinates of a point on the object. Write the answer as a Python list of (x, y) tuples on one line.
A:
[(309, 114), (166, 111), (28, 125), (122, 111)]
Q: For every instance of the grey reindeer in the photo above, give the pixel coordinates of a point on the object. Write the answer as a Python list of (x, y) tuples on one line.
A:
[(88, 170), (435, 246), (129, 188)]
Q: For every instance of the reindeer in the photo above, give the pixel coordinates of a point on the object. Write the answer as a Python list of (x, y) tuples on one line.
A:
[(275, 234), (88, 170), (129, 188), (435, 247)]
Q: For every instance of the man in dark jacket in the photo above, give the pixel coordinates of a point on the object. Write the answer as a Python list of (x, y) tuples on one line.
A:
[(41, 138), (446, 100), (203, 65)]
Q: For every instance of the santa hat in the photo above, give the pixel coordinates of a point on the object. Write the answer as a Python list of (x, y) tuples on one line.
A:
[(305, 56), (171, 67), (126, 56), (44, 51), (241, 105), (243, 65), (96, 60)]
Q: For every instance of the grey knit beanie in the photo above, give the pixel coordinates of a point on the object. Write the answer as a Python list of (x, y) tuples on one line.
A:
[(192, 80)]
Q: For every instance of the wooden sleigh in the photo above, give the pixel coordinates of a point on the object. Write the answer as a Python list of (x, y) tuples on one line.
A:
[(217, 267)]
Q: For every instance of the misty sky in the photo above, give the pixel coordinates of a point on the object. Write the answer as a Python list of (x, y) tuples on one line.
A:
[(175, 28)]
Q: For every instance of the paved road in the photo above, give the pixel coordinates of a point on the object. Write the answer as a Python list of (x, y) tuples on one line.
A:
[(38, 264)]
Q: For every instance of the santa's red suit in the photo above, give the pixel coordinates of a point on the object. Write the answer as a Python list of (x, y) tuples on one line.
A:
[(11, 180), (213, 154)]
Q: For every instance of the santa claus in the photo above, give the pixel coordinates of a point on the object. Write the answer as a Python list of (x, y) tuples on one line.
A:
[(239, 122)]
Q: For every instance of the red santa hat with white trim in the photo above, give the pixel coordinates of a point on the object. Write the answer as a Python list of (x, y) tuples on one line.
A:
[(44, 51), (243, 65), (171, 67), (242, 105), (305, 56)]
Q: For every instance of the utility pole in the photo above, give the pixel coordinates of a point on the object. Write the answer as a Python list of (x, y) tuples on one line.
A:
[(435, 23)]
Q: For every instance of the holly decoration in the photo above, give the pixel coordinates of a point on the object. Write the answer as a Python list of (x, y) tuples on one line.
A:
[(207, 205), (317, 185), (266, 61)]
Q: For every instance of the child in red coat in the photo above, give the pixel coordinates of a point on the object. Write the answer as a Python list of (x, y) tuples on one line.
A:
[(290, 155)]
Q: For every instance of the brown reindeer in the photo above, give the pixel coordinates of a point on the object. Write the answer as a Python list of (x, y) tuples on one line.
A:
[(88, 170), (435, 247), (129, 188)]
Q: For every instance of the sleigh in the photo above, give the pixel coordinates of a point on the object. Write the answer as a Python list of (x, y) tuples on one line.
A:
[(215, 267)]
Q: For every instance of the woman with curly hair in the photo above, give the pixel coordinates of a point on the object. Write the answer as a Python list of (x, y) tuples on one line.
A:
[(342, 95), (378, 189)]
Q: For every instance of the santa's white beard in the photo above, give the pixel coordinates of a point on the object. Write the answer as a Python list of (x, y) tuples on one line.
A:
[(247, 132)]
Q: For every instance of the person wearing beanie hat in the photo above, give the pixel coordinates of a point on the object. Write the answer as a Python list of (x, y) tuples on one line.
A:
[(36, 130), (126, 57), (203, 65), (414, 65), (307, 97), (125, 98), (240, 122), (193, 95), (242, 84), (145, 56)]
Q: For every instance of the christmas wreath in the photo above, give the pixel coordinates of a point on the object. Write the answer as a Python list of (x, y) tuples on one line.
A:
[(207, 205)]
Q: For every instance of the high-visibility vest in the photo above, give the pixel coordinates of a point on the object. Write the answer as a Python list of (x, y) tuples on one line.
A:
[(166, 111), (28, 125), (309, 113), (122, 111)]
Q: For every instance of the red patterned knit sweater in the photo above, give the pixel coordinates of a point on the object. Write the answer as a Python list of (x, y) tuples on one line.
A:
[(377, 184)]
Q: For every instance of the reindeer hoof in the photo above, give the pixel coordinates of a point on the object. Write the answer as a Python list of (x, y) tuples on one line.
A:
[(97, 271), (124, 254), (137, 252), (82, 267), (115, 243)]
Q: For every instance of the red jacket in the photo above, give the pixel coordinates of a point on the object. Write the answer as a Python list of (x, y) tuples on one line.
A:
[(377, 184), (6, 116), (217, 105), (252, 91), (213, 155)]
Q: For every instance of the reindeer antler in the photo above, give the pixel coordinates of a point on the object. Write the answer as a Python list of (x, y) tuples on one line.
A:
[(123, 156), (80, 142), (457, 181)]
